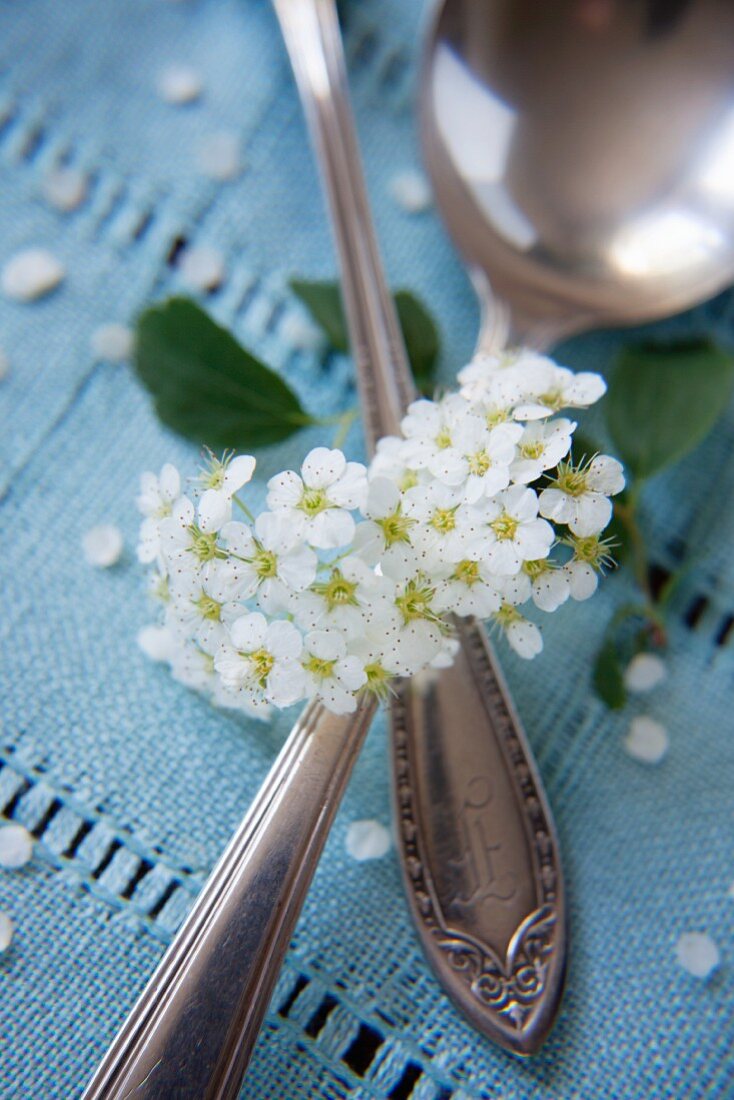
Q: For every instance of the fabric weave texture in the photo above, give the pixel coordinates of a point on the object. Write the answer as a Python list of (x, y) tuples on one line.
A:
[(133, 784)]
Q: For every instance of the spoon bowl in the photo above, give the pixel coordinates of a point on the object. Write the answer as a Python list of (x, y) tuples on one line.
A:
[(582, 156)]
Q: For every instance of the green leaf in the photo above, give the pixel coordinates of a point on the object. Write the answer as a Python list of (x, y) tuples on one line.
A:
[(206, 386), (420, 332), (422, 341), (324, 302), (664, 399), (608, 677)]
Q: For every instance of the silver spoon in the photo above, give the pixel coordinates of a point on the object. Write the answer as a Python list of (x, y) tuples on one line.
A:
[(582, 156)]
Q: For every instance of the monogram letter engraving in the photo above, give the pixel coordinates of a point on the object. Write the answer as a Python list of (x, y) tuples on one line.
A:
[(477, 865)]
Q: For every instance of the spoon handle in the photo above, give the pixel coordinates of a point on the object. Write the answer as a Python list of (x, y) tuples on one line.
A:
[(313, 40), (478, 846), (191, 1033)]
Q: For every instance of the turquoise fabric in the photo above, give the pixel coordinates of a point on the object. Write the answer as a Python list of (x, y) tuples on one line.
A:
[(132, 783)]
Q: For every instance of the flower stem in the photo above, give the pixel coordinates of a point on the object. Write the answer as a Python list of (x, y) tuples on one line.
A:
[(241, 504), (627, 513), (344, 423)]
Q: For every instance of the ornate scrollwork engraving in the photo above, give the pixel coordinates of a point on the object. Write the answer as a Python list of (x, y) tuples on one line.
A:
[(510, 986)]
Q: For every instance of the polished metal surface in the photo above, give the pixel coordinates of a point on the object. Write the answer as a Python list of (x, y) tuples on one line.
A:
[(582, 157), (191, 1033), (479, 852), (582, 153)]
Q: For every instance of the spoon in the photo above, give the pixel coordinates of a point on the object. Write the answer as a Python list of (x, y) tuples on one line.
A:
[(582, 156)]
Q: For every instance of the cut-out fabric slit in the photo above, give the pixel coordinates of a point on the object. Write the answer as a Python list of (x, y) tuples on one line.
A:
[(287, 1005), (144, 869), (403, 1089), (695, 611), (40, 827), (163, 900), (320, 1016), (362, 1050), (106, 860), (724, 631)]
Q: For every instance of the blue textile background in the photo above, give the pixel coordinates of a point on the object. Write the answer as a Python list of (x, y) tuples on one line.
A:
[(134, 784)]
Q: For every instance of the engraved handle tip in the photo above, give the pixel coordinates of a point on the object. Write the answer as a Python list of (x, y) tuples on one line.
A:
[(480, 857)]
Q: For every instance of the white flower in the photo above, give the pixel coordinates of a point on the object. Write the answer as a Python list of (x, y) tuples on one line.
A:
[(508, 385), (549, 586), (411, 620), (261, 659), (591, 556), (583, 579), (470, 589), (392, 461), (487, 454), (579, 495), (386, 525), (331, 674), (345, 598), (319, 502), (432, 430), (185, 545), (157, 494), (270, 562), (155, 501), (192, 667), (448, 525), (220, 481), (158, 587), (446, 528), (373, 648), (570, 390), (524, 636), (512, 532), (541, 447), (528, 386), (102, 545), (523, 365), (254, 706), (200, 608)]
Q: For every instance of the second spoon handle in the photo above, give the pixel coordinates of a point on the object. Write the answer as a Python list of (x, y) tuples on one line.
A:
[(191, 1033), (478, 846)]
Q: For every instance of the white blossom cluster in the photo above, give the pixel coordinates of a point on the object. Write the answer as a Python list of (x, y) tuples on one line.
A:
[(351, 576)]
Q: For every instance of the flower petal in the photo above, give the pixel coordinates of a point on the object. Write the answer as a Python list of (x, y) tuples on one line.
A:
[(322, 467), (248, 632)]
